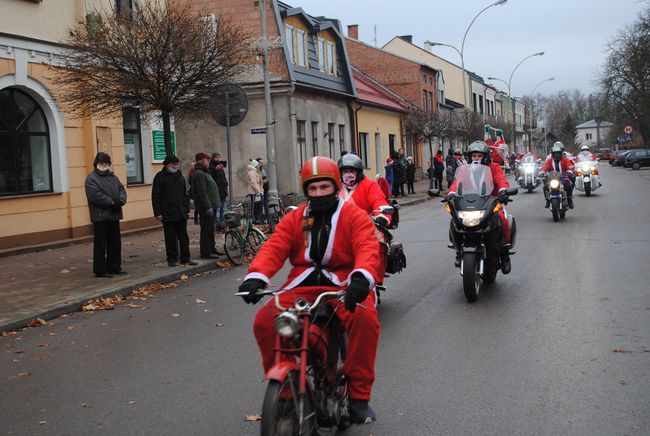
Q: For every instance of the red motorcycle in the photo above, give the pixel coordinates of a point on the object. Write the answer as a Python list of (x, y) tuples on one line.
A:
[(307, 389)]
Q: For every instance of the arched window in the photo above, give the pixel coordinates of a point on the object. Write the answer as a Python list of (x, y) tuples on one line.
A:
[(25, 159)]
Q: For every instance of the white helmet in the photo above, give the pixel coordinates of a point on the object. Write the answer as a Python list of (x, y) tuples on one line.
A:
[(584, 148)]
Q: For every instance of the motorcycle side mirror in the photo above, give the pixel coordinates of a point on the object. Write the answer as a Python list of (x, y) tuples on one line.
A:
[(512, 191), (387, 210), (433, 192)]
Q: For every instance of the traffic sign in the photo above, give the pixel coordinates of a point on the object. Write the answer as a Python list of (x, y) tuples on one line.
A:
[(628, 130)]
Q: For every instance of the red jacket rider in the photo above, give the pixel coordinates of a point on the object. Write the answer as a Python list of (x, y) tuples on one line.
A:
[(331, 245)]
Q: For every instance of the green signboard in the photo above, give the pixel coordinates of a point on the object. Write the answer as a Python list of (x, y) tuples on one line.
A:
[(158, 145)]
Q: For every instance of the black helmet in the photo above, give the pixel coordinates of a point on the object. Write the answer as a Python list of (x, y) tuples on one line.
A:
[(478, 147), (351, 161)]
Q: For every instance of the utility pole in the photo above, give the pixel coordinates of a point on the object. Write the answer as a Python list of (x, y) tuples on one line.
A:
[(270, 121)]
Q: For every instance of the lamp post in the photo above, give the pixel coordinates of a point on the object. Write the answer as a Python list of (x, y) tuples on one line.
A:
[(462, 46), (532, 94), (513, 102)]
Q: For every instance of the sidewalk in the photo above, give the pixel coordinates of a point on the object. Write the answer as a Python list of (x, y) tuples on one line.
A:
[(48, 283)]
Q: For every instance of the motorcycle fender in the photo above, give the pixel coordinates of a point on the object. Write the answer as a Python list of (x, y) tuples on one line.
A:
[(478, 250), (587, 180), (280, 370)]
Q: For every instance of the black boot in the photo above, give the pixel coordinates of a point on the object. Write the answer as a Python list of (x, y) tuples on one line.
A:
[(505, 263), (548, 203), (570, 200), (459, 257), (361, 412)]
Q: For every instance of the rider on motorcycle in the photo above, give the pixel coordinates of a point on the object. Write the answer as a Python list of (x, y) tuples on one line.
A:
[(587, 156), (331, 245), (365, 194), (563, 165), (478, 153)]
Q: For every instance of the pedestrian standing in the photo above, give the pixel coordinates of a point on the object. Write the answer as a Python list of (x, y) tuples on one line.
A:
[(438, 168), (389, 171), (106, 196), (206, 202), (265, 186), (190, 174), (451, 165), (218, 174), (404, 162), (399, 176), (254, 186), (410, 175), (171, 206)]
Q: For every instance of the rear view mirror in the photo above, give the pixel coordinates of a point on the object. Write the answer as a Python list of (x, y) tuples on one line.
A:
[(433, 192)]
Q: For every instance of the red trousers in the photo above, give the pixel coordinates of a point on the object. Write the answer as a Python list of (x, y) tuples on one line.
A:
[(362, 328), (506, 227)]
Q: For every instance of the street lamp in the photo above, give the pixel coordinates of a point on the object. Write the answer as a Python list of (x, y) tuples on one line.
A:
[(509, 83), (462, 46), (532, 94)]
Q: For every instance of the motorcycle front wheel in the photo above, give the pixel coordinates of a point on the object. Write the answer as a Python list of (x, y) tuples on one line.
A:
[(471, 276), (555, 209), (285, 415)]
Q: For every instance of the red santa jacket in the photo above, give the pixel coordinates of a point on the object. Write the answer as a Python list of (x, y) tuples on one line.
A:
[(565, 165), (367, 196), (499, 179), (352, 247)]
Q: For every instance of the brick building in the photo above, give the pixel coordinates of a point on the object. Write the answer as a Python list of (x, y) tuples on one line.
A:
[(414, 82)]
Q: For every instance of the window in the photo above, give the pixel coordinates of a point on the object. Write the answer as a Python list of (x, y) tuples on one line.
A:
[(363, 148), (314, 138), (430, 96), (290, 43), (124, 8), (132, 146), (302, 141), (425, 106), (330, 69), (321, 54), (424, 77), (25, 160), (341, 138), (391, 143), (302, 48), (588, 135), (331, 127), (474, 101), (480, 103)]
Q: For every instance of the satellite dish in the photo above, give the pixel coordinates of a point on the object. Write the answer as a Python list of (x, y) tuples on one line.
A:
[(231, 102)]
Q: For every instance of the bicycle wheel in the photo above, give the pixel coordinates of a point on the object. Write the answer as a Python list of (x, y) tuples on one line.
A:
[(233, 245), (255, 239)]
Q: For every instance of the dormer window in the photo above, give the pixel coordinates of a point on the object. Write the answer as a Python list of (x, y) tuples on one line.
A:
[(297, 45)]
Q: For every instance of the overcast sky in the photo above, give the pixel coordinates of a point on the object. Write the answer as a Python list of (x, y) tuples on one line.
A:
[(572, 33)]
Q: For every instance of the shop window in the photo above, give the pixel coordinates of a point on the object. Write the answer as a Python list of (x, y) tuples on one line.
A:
[(132, 146), (25, 155)]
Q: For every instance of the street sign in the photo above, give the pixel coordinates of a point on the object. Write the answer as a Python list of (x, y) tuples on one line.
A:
[(258, 131), (624, 138), (628, 130)]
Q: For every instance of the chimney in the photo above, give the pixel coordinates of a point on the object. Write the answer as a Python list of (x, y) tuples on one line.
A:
[(353, 31), (407, 38)]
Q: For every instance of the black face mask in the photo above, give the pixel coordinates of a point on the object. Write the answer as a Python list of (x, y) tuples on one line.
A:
[(324, 204)]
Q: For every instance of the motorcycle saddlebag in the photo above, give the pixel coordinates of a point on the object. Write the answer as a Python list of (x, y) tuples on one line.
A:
[(395, 259)]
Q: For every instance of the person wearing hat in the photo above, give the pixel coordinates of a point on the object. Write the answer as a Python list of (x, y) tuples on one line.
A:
[(206, 200), (410, 175), (254, 187), (106, 196), (171, 206), (218, 174)]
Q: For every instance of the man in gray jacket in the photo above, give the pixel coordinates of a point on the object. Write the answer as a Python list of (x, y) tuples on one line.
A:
[(206, 201), (106, 196)]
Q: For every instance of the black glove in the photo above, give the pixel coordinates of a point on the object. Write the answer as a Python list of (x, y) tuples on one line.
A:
[(452, 195), (357, 291), (252, 286), (503, 197), (382, 221)]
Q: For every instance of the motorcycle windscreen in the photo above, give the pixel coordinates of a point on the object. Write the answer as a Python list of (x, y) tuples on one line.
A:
[(474, 179)]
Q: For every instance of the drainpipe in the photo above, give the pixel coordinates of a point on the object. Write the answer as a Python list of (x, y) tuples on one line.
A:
[(355, 106)]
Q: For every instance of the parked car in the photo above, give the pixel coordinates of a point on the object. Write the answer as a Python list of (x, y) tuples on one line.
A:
[(620, 158), (637, 158), (604, 154)]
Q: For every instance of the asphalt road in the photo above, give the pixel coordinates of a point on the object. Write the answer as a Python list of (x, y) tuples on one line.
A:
[(561, 346)]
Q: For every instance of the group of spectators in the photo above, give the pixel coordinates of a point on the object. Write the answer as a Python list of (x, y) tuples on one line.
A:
[(400, 171), (170, 201)]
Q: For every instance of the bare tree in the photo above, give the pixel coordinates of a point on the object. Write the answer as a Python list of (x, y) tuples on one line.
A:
[(427, 126), (168, 59), (625, 75), (466, 125)]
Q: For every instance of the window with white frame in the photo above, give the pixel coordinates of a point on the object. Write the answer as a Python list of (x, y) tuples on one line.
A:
[(331, 58), (321, 54), (290, 43), (132, 146), (301, 37)]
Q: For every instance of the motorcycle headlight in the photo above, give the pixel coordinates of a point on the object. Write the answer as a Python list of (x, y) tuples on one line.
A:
[(287, 324), (471, 218), (593, 168), (554, 184)]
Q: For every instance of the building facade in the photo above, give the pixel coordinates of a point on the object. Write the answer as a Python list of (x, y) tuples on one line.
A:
[(592, 134), (45, 153)]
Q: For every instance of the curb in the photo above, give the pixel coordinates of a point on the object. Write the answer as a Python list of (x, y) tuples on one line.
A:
[(75, 306)]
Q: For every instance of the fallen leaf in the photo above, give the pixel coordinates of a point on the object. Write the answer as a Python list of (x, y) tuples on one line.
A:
[(131, 402), (175, 315), (19, 375), (184, 277), (43, 345), (65, 315), (210, 310), (42, 422), (53, 334), (69, 327), (84, 405), (36, 322), (622, 381), (620, 350), (134, 306), (199, 301), (251, 418), (19, 351), (219, 324), (64, 271)]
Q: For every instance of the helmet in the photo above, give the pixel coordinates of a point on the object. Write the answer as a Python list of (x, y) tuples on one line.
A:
[(320, 168), (557, 148), (584, 148), (350, 161), (559, 144), (479, 147)]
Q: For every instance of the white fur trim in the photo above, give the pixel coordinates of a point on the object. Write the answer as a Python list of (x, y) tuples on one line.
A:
[(366, 274), (259, 276), (295, 282)]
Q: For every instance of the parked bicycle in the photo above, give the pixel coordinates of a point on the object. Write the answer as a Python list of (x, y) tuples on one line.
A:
[(277, 209), (240, 239)]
